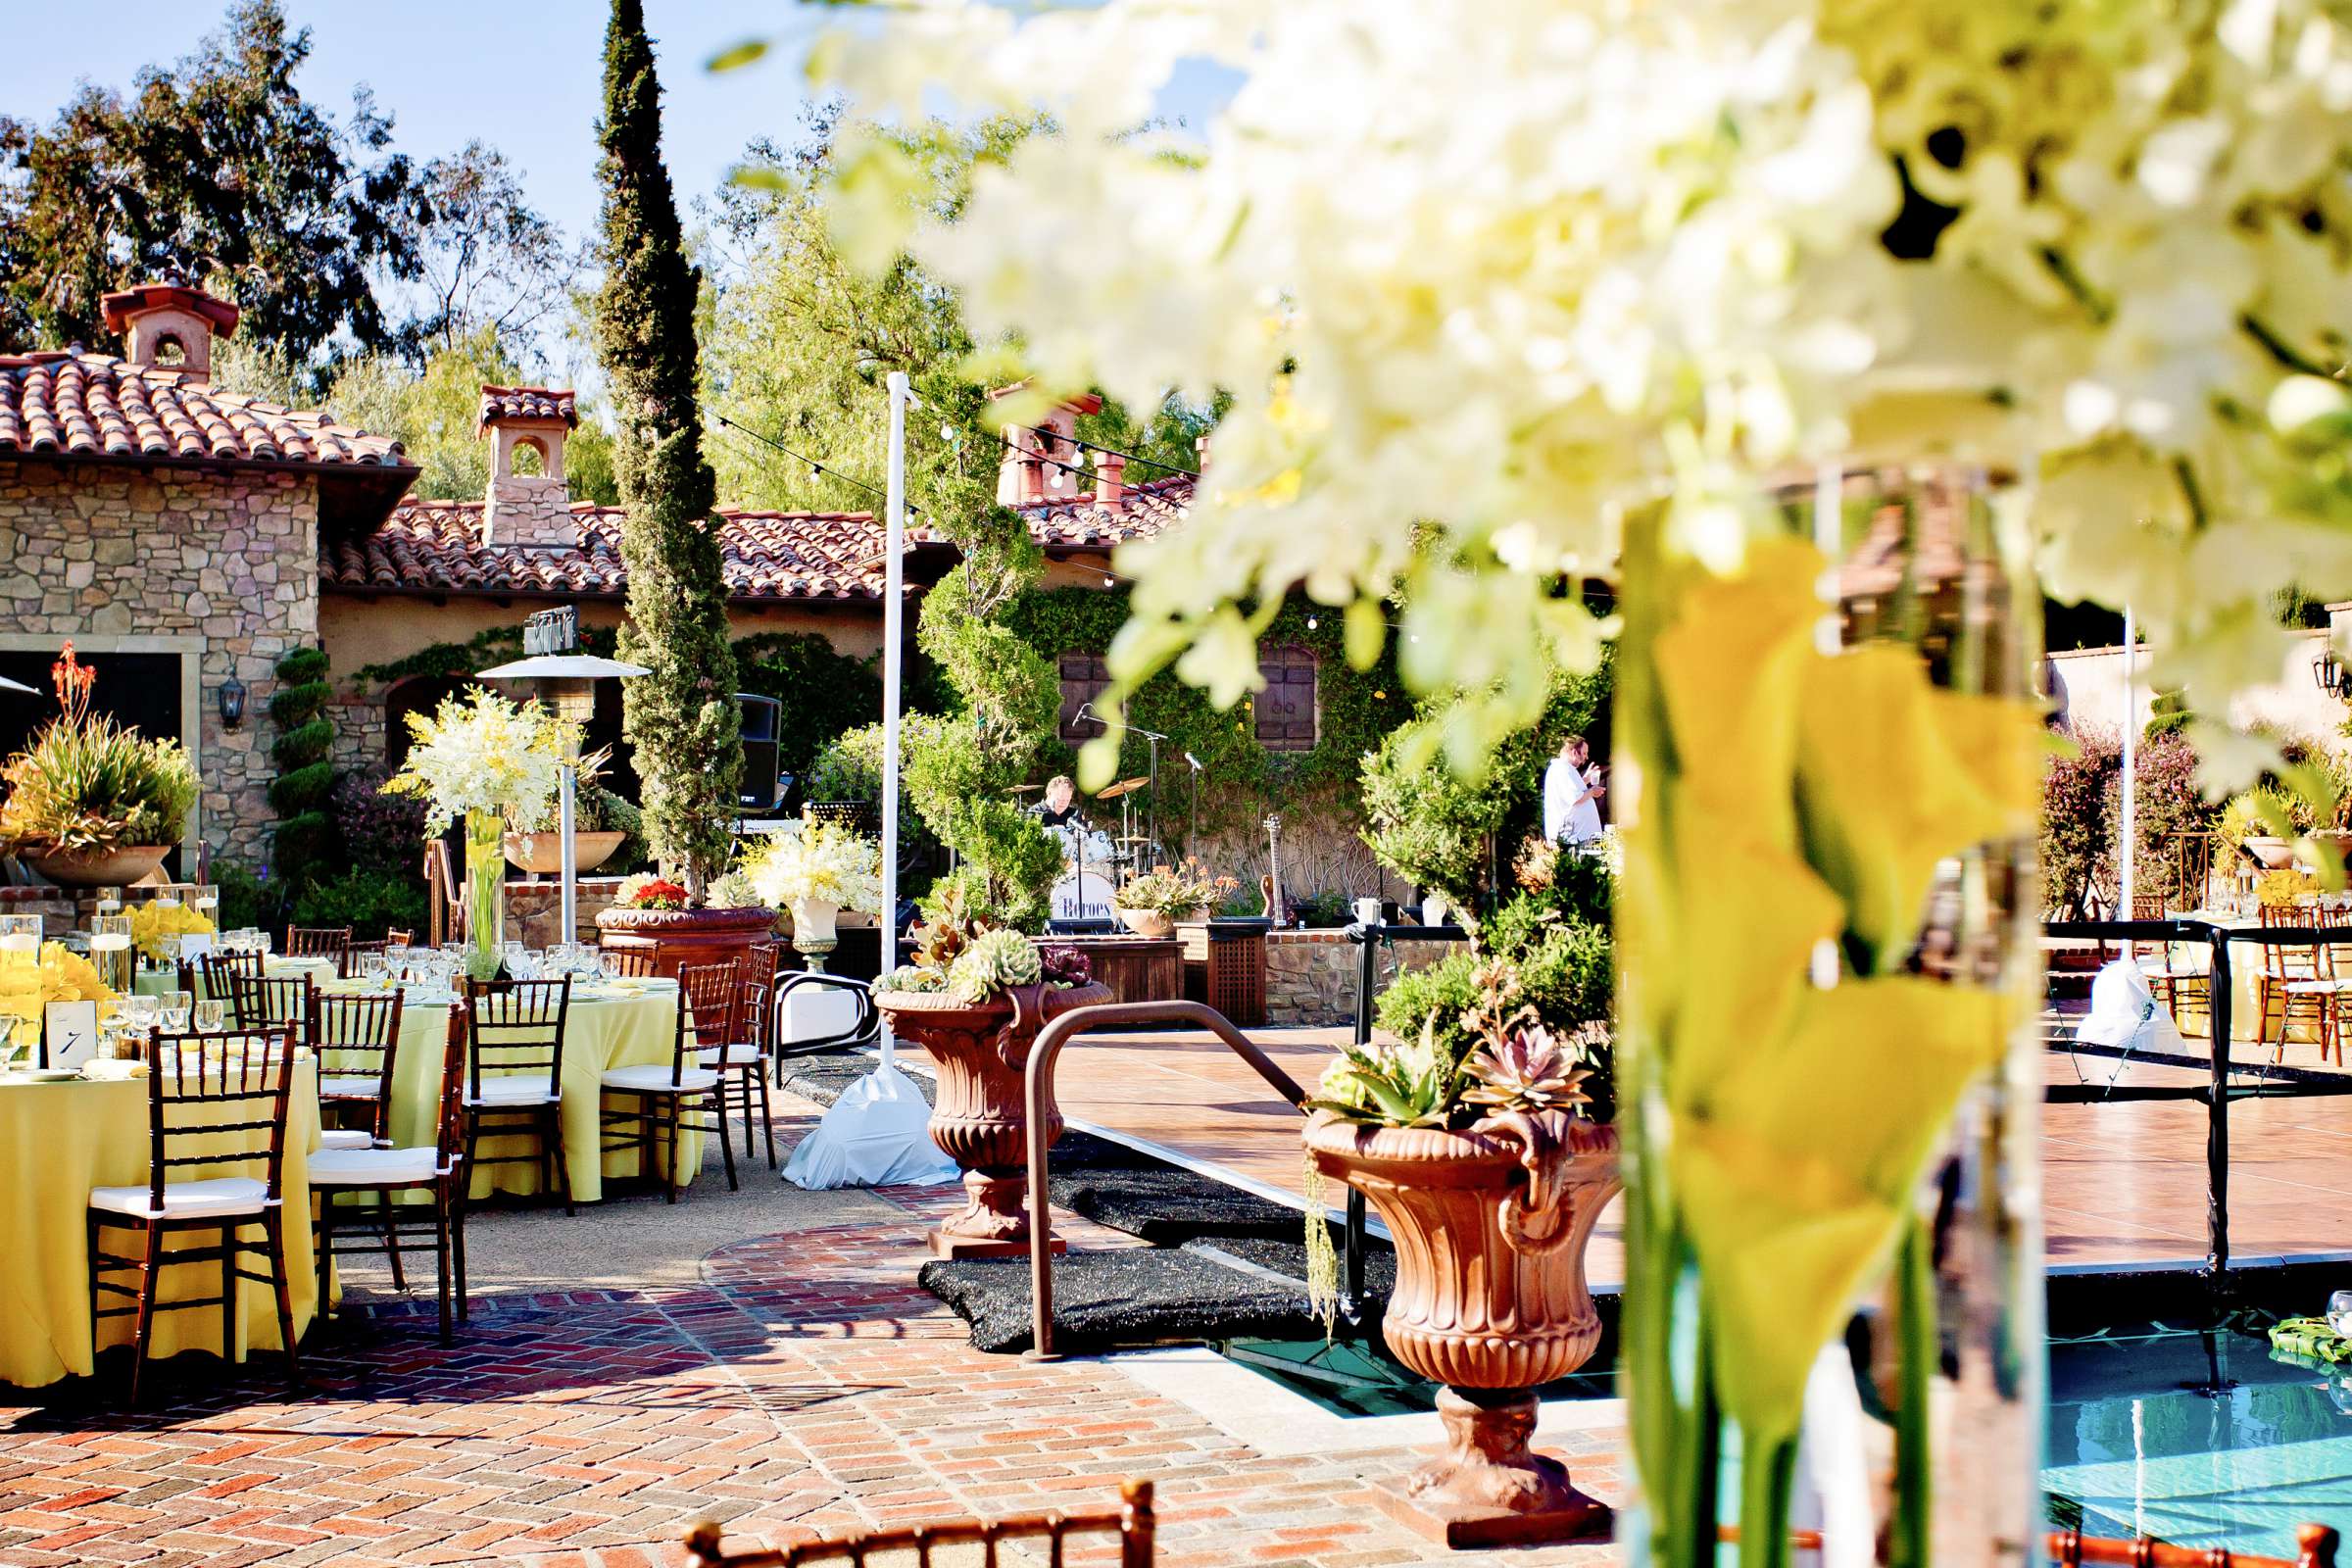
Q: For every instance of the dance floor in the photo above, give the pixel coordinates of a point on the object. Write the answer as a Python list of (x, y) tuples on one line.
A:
[(2124, 1184)]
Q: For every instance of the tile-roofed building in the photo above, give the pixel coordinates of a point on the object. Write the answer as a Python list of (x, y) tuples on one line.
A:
[(528, 403)]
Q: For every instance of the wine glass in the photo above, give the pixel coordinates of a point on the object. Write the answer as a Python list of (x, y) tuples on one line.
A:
[(211, 1016), (174, 1009)]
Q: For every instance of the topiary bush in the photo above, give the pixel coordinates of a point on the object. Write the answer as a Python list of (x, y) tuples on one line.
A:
[(305, 779), (367, 901)]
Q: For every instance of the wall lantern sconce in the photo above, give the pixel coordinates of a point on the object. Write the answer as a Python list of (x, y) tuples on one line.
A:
[(2333, 676), (232, 701)]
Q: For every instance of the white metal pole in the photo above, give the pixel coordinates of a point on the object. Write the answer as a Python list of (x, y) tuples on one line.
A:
[(571, 864), (893, 616), (2123, 850)]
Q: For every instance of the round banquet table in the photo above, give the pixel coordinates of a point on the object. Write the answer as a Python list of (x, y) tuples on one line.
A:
[(162, 982), (58, 1140), (610, 1024), (2253, 1007)]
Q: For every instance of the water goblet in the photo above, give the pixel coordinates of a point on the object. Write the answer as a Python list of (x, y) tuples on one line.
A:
[(211, 1016), (174, 1009)]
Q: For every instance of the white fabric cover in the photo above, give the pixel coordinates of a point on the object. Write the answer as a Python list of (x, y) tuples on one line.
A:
[(346, 1138), (514, 1089), (2125, 1012), (373, 1167), (654, 1075), (817, 1013), (221, 1195), (351, 1086), (877, 1134)]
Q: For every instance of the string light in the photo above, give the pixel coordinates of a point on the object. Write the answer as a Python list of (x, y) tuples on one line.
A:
[(1095, 446)]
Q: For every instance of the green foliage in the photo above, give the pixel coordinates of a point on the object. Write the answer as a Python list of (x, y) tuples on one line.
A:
[(824, 693), (2167, 714), (293, 706), (304, 841), (86, 782), (848, 766), (1241, 780), (366, 901), (245, 900), (680, 719), (599, 810), (1415, 1084), (996, 963), (1432, 826), (298, 746), (300, 845), (302, 666), (304, 789)]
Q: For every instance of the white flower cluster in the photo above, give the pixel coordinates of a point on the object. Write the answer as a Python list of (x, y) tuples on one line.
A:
[(814, 859), (482, 752), (1512, 267)]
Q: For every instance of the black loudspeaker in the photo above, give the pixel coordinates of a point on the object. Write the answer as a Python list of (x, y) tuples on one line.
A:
[(762, 718)]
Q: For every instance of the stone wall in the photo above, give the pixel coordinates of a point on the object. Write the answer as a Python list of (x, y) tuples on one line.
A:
[(1311, 975), (535, 909), (232, 559)]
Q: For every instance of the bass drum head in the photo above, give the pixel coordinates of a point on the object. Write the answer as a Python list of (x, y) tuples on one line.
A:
[(1086, 897)]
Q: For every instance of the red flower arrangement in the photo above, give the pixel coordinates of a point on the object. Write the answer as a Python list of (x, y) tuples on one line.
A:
[(658, 895)]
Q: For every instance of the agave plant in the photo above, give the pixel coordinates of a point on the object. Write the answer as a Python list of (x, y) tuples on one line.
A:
[(999, 962), (1526, 1071), (1407, 1085), (87, 783)]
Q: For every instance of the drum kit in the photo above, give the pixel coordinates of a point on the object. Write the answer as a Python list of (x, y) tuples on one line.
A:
[(1094, 859)]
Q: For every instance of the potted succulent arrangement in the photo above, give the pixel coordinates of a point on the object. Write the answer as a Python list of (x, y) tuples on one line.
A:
[(1489, 1177), (91, 802), (496, 765), (975, 998), (596, 829), (815, 869), (1151, 904)]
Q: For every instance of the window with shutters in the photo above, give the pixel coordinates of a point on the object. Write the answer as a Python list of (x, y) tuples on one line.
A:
[(1286, 709), (1084, 678)]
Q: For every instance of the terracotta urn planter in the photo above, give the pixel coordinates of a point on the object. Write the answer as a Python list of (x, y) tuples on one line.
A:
[(980, 1119), (96, 868), (1490, 1227), (1152, 923), (542, 854), (675, 937)]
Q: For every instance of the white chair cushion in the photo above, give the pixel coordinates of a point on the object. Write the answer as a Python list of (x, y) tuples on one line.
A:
[(653, 1077), (743, 1053), (514, 1089), (346, 1138), (350, 1086), (221, 1195), (373, 1168)]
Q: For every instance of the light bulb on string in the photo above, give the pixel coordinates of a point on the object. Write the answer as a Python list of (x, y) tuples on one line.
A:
[(1310, 624)]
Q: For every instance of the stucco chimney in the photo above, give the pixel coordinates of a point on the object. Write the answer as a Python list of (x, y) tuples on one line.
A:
[(1025, 476), (169, 326), (528, 508), (1110, 482)]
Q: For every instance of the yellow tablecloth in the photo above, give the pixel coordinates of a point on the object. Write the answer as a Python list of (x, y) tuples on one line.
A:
[(2254, 1008), (60, 1140), (162, 982), (602, 1031)]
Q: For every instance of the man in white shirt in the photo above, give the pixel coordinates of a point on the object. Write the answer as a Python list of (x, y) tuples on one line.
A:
[(1572, 791)]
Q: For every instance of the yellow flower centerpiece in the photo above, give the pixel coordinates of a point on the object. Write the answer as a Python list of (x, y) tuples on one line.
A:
[(498, 764), (154, 920), (60, 974)]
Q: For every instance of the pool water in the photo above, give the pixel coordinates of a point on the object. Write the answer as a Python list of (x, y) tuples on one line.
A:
[(2196, 1436), (2199, 1436)]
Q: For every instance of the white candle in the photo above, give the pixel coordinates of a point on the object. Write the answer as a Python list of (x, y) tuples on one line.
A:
[(107, 941), (19, 941)]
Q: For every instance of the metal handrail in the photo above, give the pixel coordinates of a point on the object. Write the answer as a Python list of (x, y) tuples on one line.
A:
[(1038, 1082)]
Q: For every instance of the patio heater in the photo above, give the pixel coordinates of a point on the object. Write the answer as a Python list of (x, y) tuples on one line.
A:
[(563, 679)]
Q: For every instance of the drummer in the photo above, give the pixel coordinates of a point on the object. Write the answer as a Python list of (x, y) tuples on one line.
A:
[(1061, 801)]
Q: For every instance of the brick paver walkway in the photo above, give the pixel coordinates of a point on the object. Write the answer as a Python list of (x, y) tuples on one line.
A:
[(807, 1386)]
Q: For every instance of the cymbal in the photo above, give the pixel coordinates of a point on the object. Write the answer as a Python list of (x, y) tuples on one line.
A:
[(1134, 838), (1122, 787), (1023, 789)]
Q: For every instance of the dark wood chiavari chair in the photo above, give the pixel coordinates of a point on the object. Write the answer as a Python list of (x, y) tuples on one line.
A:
[(212, 972), (394, 941), (357, 1041), (2295, 985), (741, 1064), (266, 1001), (393, 1227), (321, 941), (666, 1095), (514, 1073), (1134, 1524), (211, 1098), (626, 963)]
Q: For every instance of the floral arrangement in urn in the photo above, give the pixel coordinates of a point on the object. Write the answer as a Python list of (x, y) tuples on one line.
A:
[(1151, 904), (498, 764), (820, 862), (646, 891), (86, 796)]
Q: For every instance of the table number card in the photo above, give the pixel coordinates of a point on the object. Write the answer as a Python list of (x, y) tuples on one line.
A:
[(195, 945), (70, 1029)]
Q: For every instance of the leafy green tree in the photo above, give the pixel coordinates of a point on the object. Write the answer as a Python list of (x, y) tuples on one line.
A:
[(680, 719), (217, 172)]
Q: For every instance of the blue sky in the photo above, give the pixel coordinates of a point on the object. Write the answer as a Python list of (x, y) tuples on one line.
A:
[(522, 77)]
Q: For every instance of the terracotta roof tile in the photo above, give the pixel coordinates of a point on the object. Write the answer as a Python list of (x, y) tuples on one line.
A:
[(528, 403), (80, 404), (432, 547)]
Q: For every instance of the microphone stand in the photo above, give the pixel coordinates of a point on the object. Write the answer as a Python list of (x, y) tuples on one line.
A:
[(1152, 843)]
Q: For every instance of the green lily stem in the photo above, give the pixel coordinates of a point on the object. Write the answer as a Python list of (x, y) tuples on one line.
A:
[(1766, 1486), (1917, 1348)]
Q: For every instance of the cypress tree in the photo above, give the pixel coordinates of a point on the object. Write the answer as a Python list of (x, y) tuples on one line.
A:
[(681, 719)]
